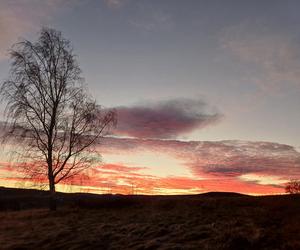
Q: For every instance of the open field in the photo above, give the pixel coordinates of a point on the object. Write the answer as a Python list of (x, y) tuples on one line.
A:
[(208, 221)]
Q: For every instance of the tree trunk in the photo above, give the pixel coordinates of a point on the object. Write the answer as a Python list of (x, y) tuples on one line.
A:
[(52, 197)]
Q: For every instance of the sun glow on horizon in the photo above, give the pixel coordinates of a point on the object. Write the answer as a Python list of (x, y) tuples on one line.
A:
[(155, 163)]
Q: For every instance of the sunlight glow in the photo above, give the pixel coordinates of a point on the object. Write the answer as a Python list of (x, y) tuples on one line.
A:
[(154, 163), (263, 180)]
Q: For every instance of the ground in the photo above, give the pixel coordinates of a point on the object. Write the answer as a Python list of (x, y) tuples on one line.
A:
[(211, 221)]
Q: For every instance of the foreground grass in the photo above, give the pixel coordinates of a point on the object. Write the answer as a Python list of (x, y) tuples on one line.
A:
[(200, 222)]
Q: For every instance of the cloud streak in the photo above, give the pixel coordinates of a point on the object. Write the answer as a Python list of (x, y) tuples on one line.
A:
[(167, 119)]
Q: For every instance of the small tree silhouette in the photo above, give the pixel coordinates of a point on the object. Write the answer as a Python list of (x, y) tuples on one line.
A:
[(293, 187)]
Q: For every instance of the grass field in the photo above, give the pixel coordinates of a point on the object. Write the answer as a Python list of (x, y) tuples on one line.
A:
[(208, 221)]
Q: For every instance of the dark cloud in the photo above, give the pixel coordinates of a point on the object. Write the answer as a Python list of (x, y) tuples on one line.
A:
[(165, 119), (235, 158)]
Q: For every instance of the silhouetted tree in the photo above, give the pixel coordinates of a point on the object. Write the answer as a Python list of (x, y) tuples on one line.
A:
[(293, 187), (49, 111)]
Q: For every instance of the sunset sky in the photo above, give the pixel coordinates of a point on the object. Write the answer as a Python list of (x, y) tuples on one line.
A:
[(207, 92)]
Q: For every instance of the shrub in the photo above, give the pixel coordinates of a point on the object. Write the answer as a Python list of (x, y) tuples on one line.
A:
[(293, 187)]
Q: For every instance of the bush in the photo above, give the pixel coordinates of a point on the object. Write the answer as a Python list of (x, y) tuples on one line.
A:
[(293, 187)]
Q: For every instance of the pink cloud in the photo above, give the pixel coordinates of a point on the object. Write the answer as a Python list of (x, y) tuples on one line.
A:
[(119, 168), (166, 119)]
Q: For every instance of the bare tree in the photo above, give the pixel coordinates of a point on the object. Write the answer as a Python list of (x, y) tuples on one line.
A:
[(49, 111), (293, 187)]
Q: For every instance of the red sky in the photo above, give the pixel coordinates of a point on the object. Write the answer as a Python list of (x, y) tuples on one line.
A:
[(153, 166)]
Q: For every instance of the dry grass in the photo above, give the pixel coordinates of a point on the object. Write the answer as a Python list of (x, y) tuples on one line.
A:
[(188, 222)]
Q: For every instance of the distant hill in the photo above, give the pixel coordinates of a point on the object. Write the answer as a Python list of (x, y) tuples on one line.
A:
[(19, 199), (222, 194), (4, 191), (205, 221)]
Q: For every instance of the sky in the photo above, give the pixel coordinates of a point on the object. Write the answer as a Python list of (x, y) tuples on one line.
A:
[(207, 92)]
